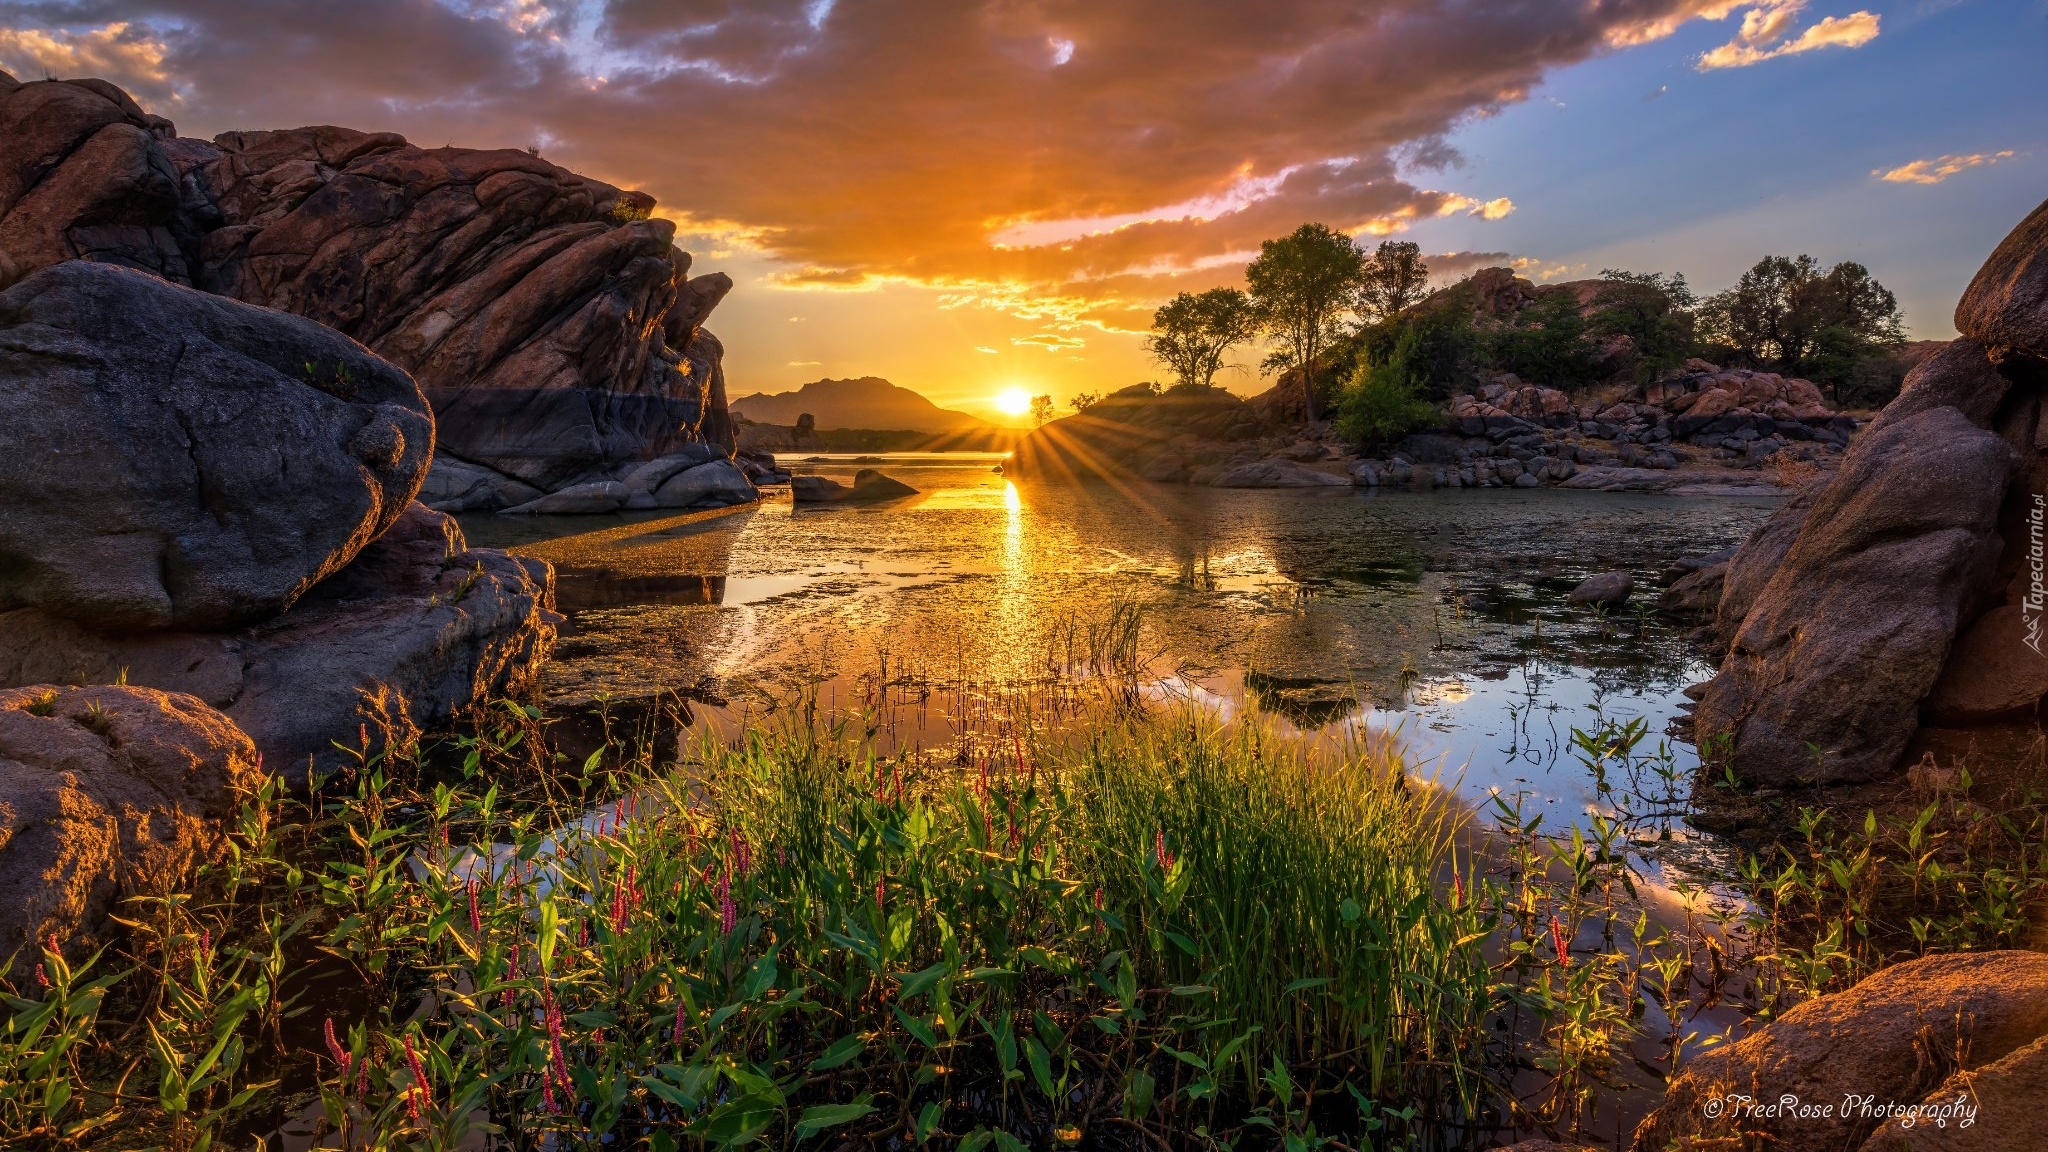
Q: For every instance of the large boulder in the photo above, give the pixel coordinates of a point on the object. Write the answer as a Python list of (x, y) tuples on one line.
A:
[(172, 459), (107, 792), (1824, 680), (85, 174), (1993, 672), (719, 484), (547, 315), (420, 628), (1757, 559), (1885, 1039), (2006, 304), (1992, 1108), (454, 485)]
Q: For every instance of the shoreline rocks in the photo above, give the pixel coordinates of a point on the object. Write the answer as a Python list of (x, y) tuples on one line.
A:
[(420, 626), (869, 486), (1885, 1038), (1898, 593), (107, 792)]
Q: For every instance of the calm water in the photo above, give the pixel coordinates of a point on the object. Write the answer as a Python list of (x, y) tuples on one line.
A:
[(1442, 613)]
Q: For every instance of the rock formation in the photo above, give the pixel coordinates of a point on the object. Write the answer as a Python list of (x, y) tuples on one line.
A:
[(869, 486), (178, 460), (107, 792), (548, 317), (1909, 589), (1890, 1039), (419, 626)]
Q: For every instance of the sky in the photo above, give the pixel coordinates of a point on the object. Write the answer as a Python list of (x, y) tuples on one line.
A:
[(972, 196)]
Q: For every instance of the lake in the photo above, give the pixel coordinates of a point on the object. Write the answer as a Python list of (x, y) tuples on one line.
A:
[(1442, 613)]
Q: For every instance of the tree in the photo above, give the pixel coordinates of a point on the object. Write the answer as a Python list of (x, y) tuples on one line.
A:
[(1300, 284), (1041, 410), (1653, 310), (1382, 403), (1192, 334), (1085, 400), (1546, 343), (1787, 315), (1392, 279)]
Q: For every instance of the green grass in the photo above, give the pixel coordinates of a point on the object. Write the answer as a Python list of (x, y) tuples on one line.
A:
[(1094, 925)]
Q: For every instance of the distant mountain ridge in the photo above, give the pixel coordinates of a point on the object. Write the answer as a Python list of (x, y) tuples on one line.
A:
[(863, 402)]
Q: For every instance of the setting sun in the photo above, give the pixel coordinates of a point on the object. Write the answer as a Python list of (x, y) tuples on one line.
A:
[(1013, 402)]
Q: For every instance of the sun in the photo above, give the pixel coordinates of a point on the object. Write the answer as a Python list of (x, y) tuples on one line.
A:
[(1013, 402)]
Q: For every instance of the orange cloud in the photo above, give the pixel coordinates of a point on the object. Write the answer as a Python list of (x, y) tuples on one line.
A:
[(1766, 34), (1940, 168), (131, 54), (1065, 161)]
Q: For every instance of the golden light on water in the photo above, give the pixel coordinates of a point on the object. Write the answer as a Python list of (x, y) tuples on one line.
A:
[(1013, 401)]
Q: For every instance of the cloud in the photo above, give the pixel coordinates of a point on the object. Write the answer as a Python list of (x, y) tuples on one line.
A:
[(1940, 168), (987, 349), (1766, 34), (1063, 160), (803, 363), (1050, 341), (129, 54)]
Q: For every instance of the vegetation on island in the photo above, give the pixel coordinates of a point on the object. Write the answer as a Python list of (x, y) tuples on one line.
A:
[(1361, 334)]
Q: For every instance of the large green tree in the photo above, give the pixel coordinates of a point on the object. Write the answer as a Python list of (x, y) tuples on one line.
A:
[(1193, 334), (1302, 284), (1789, 315), (1391, 280), (1653, 310)]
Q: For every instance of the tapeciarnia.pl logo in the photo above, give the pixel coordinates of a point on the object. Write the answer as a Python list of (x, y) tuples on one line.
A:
[(2037, 593)]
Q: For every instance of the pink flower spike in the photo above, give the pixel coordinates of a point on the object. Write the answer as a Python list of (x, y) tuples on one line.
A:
[(334, 1048), (1458, 888), (1166, 859), (1557, 940), (679, 1020), (363, 1076), (476, 919), (419, 1078), (881, 892), (42, 978)]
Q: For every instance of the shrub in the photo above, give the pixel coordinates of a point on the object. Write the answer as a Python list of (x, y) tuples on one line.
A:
[(1381, 404)]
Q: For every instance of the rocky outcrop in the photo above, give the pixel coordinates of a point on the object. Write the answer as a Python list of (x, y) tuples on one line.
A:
[(548, 317), (869, 486), (180, 460), (2006, 304), (1277, 474), (1906, 592), (1890, 1039), (1136, 432), (419, 625), (1824, 678), (1993, 1108), (1606, 590), (104, 793)]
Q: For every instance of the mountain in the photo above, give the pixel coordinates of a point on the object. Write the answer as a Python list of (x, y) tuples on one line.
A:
[(868, 402)]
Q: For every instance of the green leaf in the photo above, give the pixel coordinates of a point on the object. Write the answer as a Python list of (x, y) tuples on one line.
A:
[(819, 1117), (1307, 982), (842, 1050)]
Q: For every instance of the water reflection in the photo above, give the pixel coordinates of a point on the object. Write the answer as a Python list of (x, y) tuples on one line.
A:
[(1441, 614)]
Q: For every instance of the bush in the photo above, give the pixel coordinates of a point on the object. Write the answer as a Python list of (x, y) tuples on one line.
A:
[(1381, 404)]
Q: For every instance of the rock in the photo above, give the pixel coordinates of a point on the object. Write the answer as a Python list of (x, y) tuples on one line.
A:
[(1166, 469), (1850, 633), (418, 624), (1882, 1038), (1757, 559), (107, 792), (547, 316), (1609, 590), (1528, 480), (170, 459), (85, 174), (564, 345), (1992, 1108), (1960, 376), (1695, 595), (1277, 474), (715, 485), (577, 500), (1991, 674), (868, 485), (1367, 473), (652, 474), (2006, 304), (458, 486)]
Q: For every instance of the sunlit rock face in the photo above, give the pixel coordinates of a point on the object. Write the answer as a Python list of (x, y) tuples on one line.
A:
[(550, 320)]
